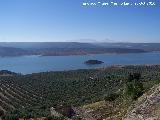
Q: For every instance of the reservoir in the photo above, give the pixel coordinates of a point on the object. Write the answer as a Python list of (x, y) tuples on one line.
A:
[(34, 64)]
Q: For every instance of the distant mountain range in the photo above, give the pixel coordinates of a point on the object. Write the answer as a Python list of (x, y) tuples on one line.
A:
[(72, 48), (10, 51), (143, 46), (46, 45)]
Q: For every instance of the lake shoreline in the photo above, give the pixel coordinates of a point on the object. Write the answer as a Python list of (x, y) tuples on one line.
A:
[(37, 63), (85, 54), (73, 70)]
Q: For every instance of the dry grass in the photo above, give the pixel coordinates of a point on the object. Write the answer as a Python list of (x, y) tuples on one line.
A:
[(95, 105)]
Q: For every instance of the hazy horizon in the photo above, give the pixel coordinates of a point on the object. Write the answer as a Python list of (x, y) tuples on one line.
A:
[(74, 42)]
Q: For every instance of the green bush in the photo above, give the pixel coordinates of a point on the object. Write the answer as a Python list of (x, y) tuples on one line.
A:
[(111, 97), (10, 117), (158, 78), (1, 113), (134, 76), (135, 89)]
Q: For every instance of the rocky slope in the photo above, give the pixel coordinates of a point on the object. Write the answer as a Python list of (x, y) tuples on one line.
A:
[(147, 107)]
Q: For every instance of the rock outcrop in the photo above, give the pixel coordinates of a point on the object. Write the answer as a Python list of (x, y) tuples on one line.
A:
[(146, 107)]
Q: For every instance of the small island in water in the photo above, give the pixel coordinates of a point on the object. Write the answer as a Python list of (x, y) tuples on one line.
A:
[(93, 62)]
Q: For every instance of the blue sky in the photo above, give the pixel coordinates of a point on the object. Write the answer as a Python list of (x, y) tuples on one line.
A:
[(68, 20)]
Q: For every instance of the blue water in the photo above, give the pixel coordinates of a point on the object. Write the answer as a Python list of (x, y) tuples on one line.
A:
[(34, 64)]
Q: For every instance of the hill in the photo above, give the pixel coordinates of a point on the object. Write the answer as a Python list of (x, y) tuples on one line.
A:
[(100, 93), (144, 46), (44, 45), (12, 51), (7, 73), (60, 49)]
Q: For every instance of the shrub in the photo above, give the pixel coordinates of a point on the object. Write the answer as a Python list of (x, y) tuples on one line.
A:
[(111, 97), (10, 117), (135, 89), (134, 76), (1, 113), (158, 78), (137, 76)]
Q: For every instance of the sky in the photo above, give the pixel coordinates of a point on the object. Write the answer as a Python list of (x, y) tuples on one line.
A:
[(70, 20)]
